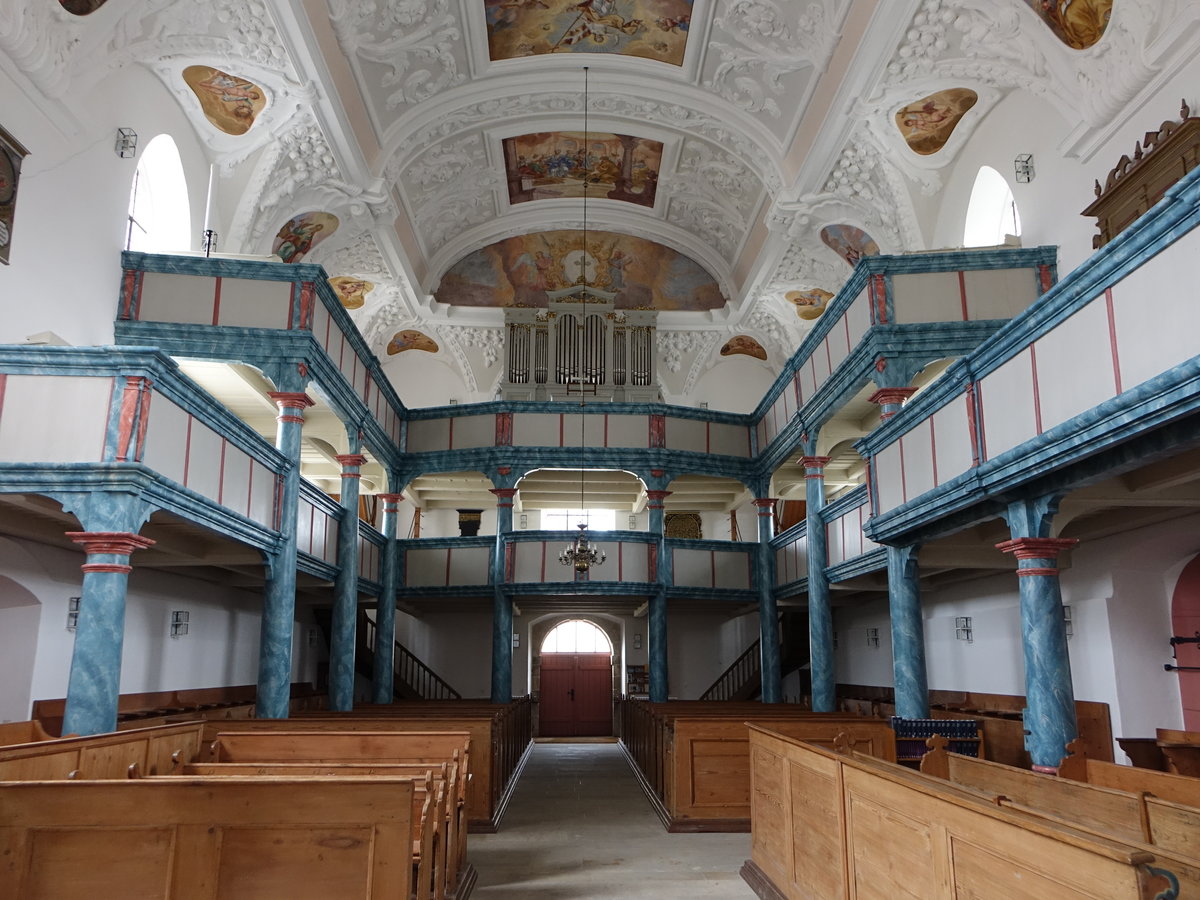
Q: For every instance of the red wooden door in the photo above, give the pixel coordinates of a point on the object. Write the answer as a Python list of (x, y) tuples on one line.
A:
[(575, 699)]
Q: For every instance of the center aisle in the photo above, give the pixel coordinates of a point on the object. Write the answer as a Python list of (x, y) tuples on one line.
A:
[(580, 827)]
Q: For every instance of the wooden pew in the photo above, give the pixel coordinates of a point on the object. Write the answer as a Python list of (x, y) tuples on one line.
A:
[(451, 862), (833, 825), (101, 756), (1182, 750), (1078, 766), (199, 839), (23, 733)]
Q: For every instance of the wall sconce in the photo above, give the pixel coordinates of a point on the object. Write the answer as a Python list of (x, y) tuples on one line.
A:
[(1023, 168), (126, 146), (963, 630), (453, 401), (872, 637), (703, 404), (72, 613), (312, 637), (637, 642), (524, 520), (516, 640), (633, 523), (1067, 627), (179, 622)]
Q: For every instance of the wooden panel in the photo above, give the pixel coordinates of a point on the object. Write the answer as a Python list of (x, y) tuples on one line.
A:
[(926, 297), (186, 299), (1174, 827), (858, 317), (1074, 361), (728, 440), (250, 303), (891, 853), (952, 439), (918, 460), (254, 862), (169, 453), (469, 565), (1008, 405), (684, 434), (28, 434), (999, 293), (427, 435), (427, 568), (534, 430), (692, 568), (732, 570), (889, 476), (978, 872), (623, 431), (474, 431), (71, 865)]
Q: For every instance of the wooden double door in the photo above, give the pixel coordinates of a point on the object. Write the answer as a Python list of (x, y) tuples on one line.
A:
[(575, 697)]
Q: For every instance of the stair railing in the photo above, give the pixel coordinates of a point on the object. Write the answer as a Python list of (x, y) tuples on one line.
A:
[(407, 669)]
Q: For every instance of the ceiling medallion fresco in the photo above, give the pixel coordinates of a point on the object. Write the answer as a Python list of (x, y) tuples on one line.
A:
[(518, 271), (411, 339), (229, 103), (809, 304), (81, 7), (651, 29), (553, 164), (848, 242), (351, 291), (1077, 23), (743, 345), (302, 233), (928, 123)]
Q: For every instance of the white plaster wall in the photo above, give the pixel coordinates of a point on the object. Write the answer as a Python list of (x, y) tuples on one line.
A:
[(855, 662), (694, 658), (734, 384), (20, 617), (73, 199)]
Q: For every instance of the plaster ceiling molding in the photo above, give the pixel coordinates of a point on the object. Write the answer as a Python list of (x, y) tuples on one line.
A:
[(759, 48), (406, 51), (672, 345), (693, 208), (871, 189), (725, 179), (380, 319), (358, 256), (245, 28), (43, 39), (440, 168), (468, 201)]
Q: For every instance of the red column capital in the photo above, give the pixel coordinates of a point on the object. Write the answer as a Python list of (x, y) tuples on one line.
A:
[(109, 543), (504, 496), (815, 462), (656, 498), (391, 499), (891, 399), (291, 400), (1036, 548), (766, 505)]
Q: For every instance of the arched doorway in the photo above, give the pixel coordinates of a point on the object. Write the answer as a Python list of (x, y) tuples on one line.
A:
[(1185, 623), (575, 698)]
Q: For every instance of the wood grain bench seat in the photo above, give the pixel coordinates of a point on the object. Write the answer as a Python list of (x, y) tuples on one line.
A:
[(207, 838), (834, 825)]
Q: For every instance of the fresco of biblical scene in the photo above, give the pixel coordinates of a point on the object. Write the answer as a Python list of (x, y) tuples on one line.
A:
[(553, 164), (303, 233), (1077, 23), (11, 154), (743, 345), (518, 271), (809, 304), (351, 291), (848, 242), (651, 29), (928, 123), (411, 339), (230, 103), (81, 7)]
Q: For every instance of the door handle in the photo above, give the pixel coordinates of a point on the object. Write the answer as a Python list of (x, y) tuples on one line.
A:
[(571, 693)]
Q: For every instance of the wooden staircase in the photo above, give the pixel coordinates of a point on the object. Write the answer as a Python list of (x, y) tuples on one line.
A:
[(743, 679)]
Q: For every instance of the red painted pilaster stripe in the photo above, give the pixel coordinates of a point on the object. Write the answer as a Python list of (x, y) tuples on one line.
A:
[(707, 437), (561, 426), (962, 294), (1112, 339), (128, 287), (306, 304), (292, 306), (846, 322), (187, 450), (972, 430), (620, 562), (450, 436), (606, 429), (3, 388), (221, 475), (903, 478), (250, 488), (1037, 392), (449, 552), (276, 512), (543, 576), (712, 567), (216, 319), (980, 407), (828, 355), (139, 448), (129, 410), (933, 451)]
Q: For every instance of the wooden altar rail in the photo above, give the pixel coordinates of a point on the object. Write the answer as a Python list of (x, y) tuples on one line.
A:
[(999, 717), (138, 710), (693, 757), (200, 839), (837, 825)]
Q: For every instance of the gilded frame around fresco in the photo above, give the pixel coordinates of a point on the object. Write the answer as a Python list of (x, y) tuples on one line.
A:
[(11, 155)]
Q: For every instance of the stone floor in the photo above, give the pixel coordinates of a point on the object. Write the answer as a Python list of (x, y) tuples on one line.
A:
[(580, 827)]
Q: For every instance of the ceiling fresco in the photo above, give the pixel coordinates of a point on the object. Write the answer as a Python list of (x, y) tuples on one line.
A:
[(229, 103), (300, 234), (1077, 23), (849, 242), (928, 123), (553, 164), (743, 345), (652, 29), (518, 271)]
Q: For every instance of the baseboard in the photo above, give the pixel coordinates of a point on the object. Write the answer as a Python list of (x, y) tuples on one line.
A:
[(467, 879), (709, 826), (760, 883), (648, 789), (510, 789)]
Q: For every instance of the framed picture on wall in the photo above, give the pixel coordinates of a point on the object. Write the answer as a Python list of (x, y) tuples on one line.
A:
[(11, 154)]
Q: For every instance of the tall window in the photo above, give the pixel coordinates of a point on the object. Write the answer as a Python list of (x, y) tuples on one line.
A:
[(569, 519), (992, 212), (159, 212), (576, 636)]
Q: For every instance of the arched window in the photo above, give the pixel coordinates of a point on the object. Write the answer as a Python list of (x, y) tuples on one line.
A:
[(576, 636), (159, 213), (992, 212)]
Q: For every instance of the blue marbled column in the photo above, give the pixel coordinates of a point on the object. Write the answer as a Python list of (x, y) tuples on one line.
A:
[(1049, 694), (908, 634), (383, 671), (279, 593), (768, 609), (345, 590), (820, 611), (502, 607), (656, 625), (94, 684)]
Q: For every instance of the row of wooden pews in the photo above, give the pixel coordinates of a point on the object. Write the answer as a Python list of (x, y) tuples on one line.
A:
[(1170, 750), (79, 816), (839, 824), (693, 757)]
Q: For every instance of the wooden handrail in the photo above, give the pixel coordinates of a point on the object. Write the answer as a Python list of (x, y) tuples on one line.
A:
[(740, 672), (406, 667)]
